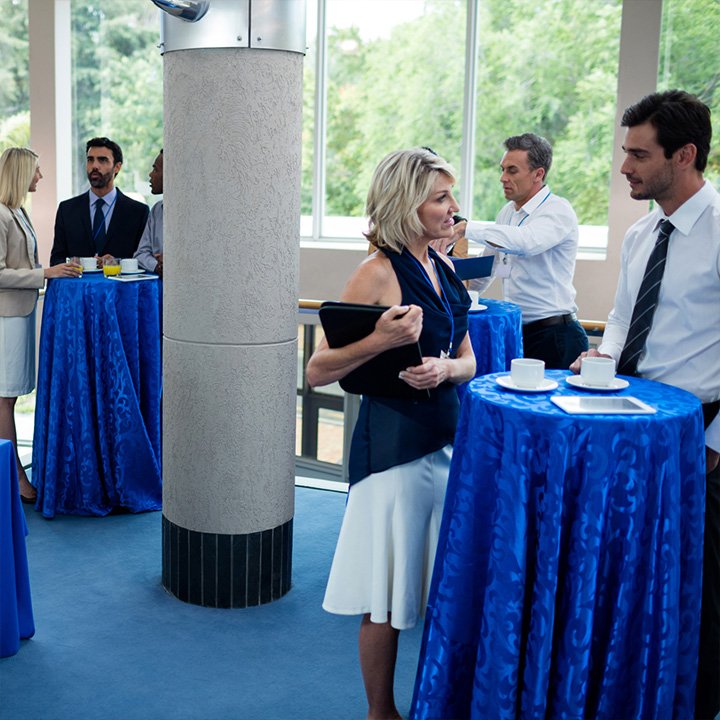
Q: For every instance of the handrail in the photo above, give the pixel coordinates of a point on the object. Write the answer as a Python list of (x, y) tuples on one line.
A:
[(592, 327)]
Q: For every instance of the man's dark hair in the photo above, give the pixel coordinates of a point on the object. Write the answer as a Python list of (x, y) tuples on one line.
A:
[(538, 149), (106, 143), (679, 118)]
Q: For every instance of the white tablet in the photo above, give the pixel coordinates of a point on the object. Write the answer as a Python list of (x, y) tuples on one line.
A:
[(600, 405)]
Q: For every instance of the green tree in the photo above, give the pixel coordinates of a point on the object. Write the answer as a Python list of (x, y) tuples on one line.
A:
[(14, 88), (117, 84)]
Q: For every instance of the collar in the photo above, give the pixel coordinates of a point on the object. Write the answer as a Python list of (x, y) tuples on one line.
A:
[(685, 217), (536, 200), (109, 198)]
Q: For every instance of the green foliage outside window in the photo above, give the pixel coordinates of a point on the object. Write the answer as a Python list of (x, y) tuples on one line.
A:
[(547, 66)]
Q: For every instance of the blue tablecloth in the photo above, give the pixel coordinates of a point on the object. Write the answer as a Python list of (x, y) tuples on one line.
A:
[(96, 445), (496, 337), (568, 575), (16, 615)]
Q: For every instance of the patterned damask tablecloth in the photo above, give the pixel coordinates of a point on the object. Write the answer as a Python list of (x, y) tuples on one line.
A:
[(96, 445), (568, 575), (496, 335), (16, 613)]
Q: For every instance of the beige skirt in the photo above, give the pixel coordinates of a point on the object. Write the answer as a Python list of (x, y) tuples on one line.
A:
[(386, 550), (17, 355)]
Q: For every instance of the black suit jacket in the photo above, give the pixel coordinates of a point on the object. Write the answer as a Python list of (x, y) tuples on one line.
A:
[(73, 231)]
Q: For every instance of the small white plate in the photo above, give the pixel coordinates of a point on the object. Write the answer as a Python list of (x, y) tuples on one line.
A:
[(92, 270), (505, 381), (616, 384), (477, 308), (134, 272)]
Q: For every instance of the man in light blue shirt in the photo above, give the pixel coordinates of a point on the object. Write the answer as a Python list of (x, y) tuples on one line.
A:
[(150, 250)]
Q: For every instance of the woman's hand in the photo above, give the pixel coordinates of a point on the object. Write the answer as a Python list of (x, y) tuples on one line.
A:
[(399, 325), (429, 375), (63, 270)]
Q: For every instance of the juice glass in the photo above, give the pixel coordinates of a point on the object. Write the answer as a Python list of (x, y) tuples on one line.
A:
[(111, 266)]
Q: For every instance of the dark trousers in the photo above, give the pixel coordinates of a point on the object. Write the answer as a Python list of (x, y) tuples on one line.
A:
[(558, 345), (707, 697)]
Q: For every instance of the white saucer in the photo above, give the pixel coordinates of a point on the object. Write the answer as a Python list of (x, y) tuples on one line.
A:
[(134, 272), (477, 308), (92, 270), (616, 384), (505, 381)]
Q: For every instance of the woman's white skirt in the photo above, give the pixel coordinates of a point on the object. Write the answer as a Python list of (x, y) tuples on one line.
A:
[(17, 355), (386, 550)]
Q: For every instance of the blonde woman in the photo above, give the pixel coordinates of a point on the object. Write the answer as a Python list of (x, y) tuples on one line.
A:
[(400, 453), (21, 276)]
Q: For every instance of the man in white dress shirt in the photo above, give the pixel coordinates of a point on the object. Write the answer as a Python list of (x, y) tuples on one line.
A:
[(666, 148), (150, 250), (535, 240)]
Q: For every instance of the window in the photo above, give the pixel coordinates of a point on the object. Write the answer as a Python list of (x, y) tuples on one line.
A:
[(14, 86), (548, 68), (690, 60), (117, 86)]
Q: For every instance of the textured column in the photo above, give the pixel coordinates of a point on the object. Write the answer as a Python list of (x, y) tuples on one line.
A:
[(232, 203)]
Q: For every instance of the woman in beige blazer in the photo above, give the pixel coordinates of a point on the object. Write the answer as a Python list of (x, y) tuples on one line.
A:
[(21, 276)]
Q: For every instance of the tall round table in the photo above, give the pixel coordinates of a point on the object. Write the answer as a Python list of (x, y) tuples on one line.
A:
[(568, 572), (96, 444), (495, 335)]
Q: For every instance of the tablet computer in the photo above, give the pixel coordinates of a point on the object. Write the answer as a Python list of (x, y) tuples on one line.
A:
[(345, 323)]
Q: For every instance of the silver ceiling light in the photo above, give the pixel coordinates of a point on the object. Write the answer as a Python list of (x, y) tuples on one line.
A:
[(188, 10)]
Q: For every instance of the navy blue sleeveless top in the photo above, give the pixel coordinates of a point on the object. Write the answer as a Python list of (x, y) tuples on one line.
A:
[(391, 431)]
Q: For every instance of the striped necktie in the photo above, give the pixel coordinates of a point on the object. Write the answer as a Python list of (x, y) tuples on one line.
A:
[(645, 303)]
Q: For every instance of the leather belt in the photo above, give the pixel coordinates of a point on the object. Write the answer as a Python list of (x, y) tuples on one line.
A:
[(550, 321)]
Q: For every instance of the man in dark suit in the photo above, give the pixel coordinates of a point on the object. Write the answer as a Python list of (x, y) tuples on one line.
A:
[(102, 221)]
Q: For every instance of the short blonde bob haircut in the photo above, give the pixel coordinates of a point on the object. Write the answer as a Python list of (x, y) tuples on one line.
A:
[(401, 183), (17, 168)]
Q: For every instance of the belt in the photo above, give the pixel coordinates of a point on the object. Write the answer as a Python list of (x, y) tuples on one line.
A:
[(549, 321)]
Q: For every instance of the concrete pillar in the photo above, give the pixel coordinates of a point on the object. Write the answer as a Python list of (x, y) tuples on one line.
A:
[(232, 145)]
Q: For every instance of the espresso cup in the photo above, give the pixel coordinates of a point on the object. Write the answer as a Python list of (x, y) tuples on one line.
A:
[(527, 372), (129, 265), (474, 298), (88, 263), (598, 371)]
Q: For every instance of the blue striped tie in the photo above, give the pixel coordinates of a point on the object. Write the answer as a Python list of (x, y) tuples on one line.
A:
[(645, 303)]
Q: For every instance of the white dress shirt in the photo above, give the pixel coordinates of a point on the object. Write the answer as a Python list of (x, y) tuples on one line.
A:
[(683, 346), (539, 242), (151, 241)]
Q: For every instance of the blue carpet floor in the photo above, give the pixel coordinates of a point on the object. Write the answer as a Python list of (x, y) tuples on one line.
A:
[(111, 644)]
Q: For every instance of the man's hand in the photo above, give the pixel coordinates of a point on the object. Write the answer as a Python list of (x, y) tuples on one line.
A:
[(159, 266), (101, 260), (575, 367)]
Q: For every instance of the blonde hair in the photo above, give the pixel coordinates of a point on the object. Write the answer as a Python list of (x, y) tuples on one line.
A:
[(17, 168), (401, 183)]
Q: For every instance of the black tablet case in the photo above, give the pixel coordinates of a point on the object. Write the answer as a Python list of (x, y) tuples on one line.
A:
[(471, 268), (345, 323)]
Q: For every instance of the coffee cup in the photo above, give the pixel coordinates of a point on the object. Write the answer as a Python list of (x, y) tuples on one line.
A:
[(129, 265), (474, 298), (88, 263), (598, 371), (527, 372)]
